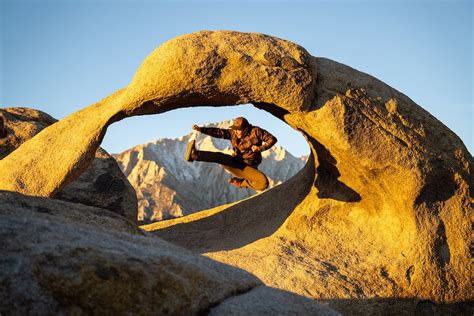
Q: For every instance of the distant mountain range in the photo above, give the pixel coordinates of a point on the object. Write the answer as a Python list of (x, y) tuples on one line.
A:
[(168, 186)]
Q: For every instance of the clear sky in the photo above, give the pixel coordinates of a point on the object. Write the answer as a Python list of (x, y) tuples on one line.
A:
[(60, 56)]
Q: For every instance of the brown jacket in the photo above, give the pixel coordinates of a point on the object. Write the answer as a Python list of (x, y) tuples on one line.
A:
[(252, 135)]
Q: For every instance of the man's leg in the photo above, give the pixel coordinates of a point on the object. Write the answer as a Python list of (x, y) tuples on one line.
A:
[(220, 158), (253, 178)]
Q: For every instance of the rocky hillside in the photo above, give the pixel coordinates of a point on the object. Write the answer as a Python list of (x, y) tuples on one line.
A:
[(168, 186)]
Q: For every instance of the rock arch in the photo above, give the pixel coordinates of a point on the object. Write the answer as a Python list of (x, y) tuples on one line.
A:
[(381, 210)]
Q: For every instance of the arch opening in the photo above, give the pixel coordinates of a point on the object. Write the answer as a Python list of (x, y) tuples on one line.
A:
[(168, 186), (319, 172)]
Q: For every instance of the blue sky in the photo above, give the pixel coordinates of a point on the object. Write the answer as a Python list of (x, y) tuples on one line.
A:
[(61, 56)]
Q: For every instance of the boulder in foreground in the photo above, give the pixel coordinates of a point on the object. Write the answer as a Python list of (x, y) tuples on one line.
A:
[(60, 257)]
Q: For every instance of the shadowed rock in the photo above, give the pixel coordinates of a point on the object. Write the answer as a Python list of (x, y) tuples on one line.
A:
[(3, 130), (382, 211), (66, 258), (102, 184)]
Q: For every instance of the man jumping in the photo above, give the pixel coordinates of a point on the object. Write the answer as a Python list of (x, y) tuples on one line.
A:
[(248, 142)]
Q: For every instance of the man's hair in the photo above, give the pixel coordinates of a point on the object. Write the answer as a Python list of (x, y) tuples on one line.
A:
[(240, 123)]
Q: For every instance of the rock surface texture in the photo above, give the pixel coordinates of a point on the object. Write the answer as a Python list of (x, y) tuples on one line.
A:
[(66, 258), (101, 185), (381, 210)]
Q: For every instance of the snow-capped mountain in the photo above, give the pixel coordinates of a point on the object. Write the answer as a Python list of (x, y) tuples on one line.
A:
[(168, 186)]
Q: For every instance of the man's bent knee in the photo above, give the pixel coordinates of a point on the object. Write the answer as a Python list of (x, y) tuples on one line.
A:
[(260, 185), (256, 179)]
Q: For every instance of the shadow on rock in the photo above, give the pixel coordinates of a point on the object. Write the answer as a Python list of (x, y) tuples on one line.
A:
[(397, 306), (327, 175)]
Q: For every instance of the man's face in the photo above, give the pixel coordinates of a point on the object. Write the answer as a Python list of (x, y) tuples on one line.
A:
[(238, 133)]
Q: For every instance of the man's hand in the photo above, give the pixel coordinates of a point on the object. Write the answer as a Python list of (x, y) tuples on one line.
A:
[(196, 128), (256, 149)]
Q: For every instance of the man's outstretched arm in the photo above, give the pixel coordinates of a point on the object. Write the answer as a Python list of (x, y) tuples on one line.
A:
[(268, 140), (213, 131)]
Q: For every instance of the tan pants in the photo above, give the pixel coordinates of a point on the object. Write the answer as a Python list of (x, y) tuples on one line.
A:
[(253, 178)]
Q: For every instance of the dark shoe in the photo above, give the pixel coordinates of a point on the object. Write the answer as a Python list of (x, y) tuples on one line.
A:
[(236, 182), (191, 152)]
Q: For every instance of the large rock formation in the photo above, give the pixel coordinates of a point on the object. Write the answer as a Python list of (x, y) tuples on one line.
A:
[(168, 186), (101, 185), (19, 125), (67, 258), (381, 210)]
